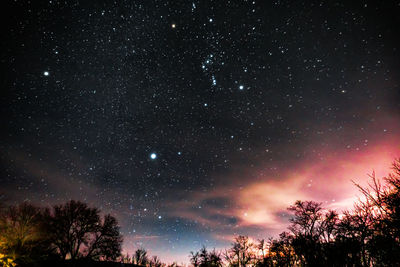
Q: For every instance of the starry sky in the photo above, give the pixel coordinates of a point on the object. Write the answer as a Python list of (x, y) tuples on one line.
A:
[(194, 121)]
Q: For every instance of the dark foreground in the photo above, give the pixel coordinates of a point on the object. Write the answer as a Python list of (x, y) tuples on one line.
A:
[(83, 263)]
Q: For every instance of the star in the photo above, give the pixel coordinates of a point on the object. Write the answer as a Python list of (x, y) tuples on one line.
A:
[(214, 81), (228, 92)]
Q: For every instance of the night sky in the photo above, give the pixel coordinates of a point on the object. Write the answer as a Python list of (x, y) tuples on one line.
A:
[(193, 121)]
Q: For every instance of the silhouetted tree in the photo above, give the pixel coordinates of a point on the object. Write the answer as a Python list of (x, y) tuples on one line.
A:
[(241, 254), (368, 235), (195, 258), (77, 231), (126, 258), (106, 241), (305, 225), (155, 262), (140, 257), (383, 203), (281, 252), (267, 259), (261, 246), (328, 228), (215, 258), (174, 264), (205, 258), (353, 232), (22, 235)]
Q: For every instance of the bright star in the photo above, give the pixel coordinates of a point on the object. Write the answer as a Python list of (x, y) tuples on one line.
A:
[(241, 87), (153, 155), (46, 73)]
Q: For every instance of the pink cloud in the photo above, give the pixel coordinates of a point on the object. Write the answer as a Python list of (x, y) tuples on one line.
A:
[(262, 202), (328, 181)]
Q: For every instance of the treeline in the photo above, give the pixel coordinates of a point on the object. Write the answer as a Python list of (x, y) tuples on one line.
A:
[(141, 258), (30, 236), (367, 235), (72, 234)]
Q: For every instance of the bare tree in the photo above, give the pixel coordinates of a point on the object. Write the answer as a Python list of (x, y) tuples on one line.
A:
[(241, 254), (22, 235), (215, 258), (194, 258), (140, 257), (126, 258), (328, 226), (106, 241), (77, 231), (306, 228), (261, 246), (307, 215), (281, 251), (155, 262), (205, 258), (174, 264), (381, 203)]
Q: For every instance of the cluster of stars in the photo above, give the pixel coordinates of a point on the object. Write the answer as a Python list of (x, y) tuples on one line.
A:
[(148, 104)]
